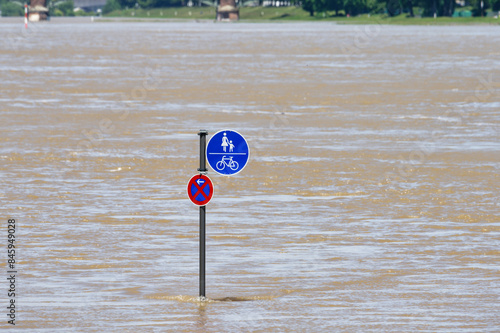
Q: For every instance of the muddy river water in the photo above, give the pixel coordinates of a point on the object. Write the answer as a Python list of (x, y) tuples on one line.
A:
[(370, 202)]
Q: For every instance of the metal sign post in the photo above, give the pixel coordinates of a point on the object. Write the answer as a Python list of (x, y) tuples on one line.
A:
[(227, 153), (203, 169)]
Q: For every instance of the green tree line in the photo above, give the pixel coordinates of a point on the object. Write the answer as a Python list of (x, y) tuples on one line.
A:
[(314, 7), (397, 7), (340, 7), (11, 8)]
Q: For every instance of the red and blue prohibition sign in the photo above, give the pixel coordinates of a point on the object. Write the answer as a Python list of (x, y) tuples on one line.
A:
[(200, 190)]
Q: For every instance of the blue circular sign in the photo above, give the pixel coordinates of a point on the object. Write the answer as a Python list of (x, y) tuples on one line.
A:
[(227, 152)]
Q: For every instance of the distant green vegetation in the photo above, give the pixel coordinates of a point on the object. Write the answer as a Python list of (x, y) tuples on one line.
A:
[(295, 13), (11, 8), (411, 8), (62, 8), (341, 11), (169, 12)]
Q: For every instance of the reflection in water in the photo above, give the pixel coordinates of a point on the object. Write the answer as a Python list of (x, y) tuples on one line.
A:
[(370, 201), (201, 316)]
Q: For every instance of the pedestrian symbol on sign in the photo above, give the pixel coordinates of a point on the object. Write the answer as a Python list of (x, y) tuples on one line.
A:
[(225, 142)]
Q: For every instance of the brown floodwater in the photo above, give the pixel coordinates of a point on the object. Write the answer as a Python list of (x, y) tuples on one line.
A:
[(370, 202)]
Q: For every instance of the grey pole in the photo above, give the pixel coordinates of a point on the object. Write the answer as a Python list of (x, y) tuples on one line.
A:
[(203, 151), (203, 169), (202, 251)]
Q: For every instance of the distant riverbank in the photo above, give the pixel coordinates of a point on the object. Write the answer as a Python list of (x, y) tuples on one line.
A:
[(261, 14), (293, 14)]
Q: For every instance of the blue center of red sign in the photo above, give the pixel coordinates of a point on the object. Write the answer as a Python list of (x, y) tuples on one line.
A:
[(200, 193), (200, 190)]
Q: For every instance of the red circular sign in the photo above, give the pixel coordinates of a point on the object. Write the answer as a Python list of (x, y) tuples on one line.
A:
[(200, 190)]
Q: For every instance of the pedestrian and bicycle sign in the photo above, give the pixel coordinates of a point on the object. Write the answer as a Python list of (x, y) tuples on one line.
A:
[(200, 190), (227, 152)]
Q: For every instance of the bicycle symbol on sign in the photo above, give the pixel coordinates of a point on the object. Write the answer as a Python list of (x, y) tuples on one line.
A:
[(227, 161)]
